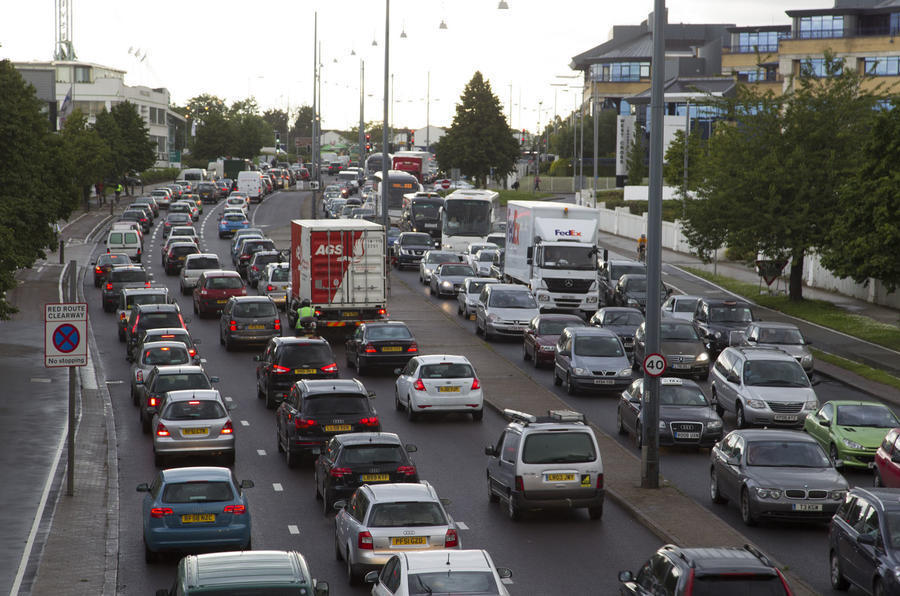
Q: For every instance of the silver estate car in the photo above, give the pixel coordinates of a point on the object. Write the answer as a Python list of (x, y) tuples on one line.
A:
[(192, 422), (156, 353)]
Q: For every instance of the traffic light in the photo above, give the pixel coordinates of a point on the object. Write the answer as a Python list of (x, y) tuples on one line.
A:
[(409, 140), (522, 138), (368, 144), (412, 138)]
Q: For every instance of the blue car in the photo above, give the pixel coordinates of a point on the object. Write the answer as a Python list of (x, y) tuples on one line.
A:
[(231, 223), (191, 509)]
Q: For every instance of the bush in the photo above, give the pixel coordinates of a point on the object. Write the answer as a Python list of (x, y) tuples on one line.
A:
[(671, 210), (560, 167), (159, 175), (734, 253)]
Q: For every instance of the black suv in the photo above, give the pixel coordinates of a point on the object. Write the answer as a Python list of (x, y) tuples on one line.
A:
[(409, 248), (353, 459), (864, 548), (149, 316), (119, 278), (705, 572), (715, 319), (315, 411), (168, 378), (287, 360), (248, 249)]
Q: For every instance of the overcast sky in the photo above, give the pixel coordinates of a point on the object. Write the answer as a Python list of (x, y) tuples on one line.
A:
[(235, 48)]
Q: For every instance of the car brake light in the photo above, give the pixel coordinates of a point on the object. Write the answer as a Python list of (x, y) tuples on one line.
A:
[(369, 421), (227, 429), (406, 470), (689, 586), (139, 377), (382, 311), (98, 269), (161, 430), (340, 472), (419, 385), (318, 313), (475, 384), (192, 352), (153, 401), (277, 324), (232, 326), (364, 542), (235, 509), (520, 486), (109, 286), (243, 290), (204, 292), (452, 539), (304, 423), (280, 370), (331, 368), (159, 512), (413, 347), (599, 481), (370, 349), (255, 268), (270, 288), (122, 316)]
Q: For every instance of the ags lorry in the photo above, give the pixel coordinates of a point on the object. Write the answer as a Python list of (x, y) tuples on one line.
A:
[(551, 248), (339, 266), (409, 164)]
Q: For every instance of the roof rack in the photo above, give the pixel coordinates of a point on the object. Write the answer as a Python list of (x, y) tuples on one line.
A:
[(758, 554), (517, 416), (565, 416)]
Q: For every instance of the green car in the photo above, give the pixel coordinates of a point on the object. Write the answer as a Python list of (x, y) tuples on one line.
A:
[(851, 430)]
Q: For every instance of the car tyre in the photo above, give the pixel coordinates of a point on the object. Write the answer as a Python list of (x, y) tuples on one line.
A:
[(478, 415), (488, 336), (185, 291), (352, 573), (714, 494), (478, 330), (878, 588), (620, 426), (719, 409), (397, 405), (836, 575), (525, 356), (740, 421), (149, 555), (512, 510), (271, 404), (556, 380), (278, 442), (595, 512), (327, 502), (338, 555), (121, 334), (158, 460), (570, 386), (833, 452), (459, 310), (229, 345), (145, 425), (638, 435), (877, 482), (410, 414), (746, 515)]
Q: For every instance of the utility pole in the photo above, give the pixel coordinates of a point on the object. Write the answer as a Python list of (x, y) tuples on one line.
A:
[(383, 188), (362, 131), (315, 115), (596, 133), (428, 113), (687, 134)]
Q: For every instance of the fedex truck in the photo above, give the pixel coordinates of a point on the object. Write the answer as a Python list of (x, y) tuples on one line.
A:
[(551, 248), (339, 266)]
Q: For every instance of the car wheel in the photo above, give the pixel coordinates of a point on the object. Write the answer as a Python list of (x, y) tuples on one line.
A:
[(149, 555), (431, 289), (327, 502), (878, 588), (638, 435), (278, 442), (512, 510), (121, 334), (134, 397), (410, 414), (719, 409), (838, 581), (595, 512), (570, 386), (488, 335), (492, 497), (525, 356), (714, 495), (397, 405), (352, 573), (478, 415), (459, 310), (337, 549), (145, 424), (876, 479), (196, 310), (316, 484), (534, 360), (158, 460), (620, 427), (185, 291), (290, 458), (226, 341), (270, 401), (360, 367), (740, 421), (556, 380), (478, 330), (746, 515)]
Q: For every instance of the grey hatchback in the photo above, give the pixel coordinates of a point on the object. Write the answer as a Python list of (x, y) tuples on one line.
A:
[(249, 319), (591, 358)]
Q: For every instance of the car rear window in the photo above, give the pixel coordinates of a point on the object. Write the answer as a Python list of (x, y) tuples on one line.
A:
[(139, 299), (178, 217), (166, 355), (558, 448), (176, 382), (623, 318), (254, 309), (113, 259), (155, 320), (128, 275), (455, 370), (455, 582), (224, 283), (298, 356), (184, 250), (372, 454), (203, 263), (398, 515), (337, 404), (553, 327), (195, 409), (197, 492), (280, 274), (388, 332), (743, 584), (115, 238), (234, 217)]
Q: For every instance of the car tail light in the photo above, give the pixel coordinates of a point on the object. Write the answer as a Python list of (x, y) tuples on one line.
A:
[(147, 284), (406, 470), (153, 402), (331, 368), (277, 324), (235, 509), (364, 541), (370, 349), (475, 384), (228, 429), (787, 588), (98, 269), (243, 290), (452, 539), (280, 370), (419, 385), (302, 423), (139, 377), (232, 326), (192, 352), (689, 585), (109, 286), (340, 472), (161, 430), (369, 421), (413, 347), (599, 481), (382, 311), (255, 268), (159, 512), (204, 292), (318, 313), (520, 486), (270, 288), (122, 316)]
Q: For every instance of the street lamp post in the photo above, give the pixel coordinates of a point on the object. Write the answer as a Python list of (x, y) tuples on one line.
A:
[(314, 148), (383, 187), (362, 132)]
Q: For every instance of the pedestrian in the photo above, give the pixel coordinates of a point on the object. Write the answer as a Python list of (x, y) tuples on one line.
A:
[(537, 183), (515, 185), (101, 192), (119, 190)]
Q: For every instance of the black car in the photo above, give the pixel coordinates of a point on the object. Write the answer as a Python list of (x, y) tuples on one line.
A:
[(149, 316), (410, 247), (389, 344), (864, 541), (208, 192), (140, 216), (248, 249), (623, 320), (167, 378), (715, 319), (119, 278), (353, 459), (287, 360), (105, 262), (174, 258), (315, 411), (631, 290), (609, 272)]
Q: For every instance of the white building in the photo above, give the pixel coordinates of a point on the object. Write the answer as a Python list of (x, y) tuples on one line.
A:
[(332, 138), (97, 87)]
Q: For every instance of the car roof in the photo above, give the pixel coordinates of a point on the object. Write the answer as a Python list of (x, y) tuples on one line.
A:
[(320, 386), (513, 287), (365, 438), (178, 369), (246, 568), (162, 344), (601, 331), (194, 473), (854, 402), (402, 491), (721, 559), (198, 255), (167, 307), (887, 498), (622, 262), (724, 301), (441, 358), (448, 560), (145, 291), (221, 273), (385, 324), (762, 353), (257, 298), (774, 434), (676, 381), (191, 394)]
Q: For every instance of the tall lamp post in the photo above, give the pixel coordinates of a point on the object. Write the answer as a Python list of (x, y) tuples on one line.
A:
[(384, 128)]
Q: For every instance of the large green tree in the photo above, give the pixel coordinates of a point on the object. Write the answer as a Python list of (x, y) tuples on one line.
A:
[(637, 165), (138, 151), (480, 138), (303, 122), (84, 146), (35, 180)]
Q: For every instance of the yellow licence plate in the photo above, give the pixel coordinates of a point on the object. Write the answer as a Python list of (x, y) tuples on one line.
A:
[(350, 313), (331, 428), (221, 301), (375, 477), (408, 540), (304, 371), (391, 349), (256, 326), (193, 518), (560, 477), (448, 389), (195, 431)]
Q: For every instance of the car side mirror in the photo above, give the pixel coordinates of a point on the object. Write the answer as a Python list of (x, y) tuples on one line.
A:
[(410, 448), (187, 320), (247, 484), (214, 379), (445, 502), (203, 361), (626, 576), (371, 577), (634, 400), (732, 378), (321, 588), (824, 421), (815, 380), (490, 450), (143, 487), (865, 539), (504, 572), (371, 395), (398, 371), (230, 405), (338, 505)]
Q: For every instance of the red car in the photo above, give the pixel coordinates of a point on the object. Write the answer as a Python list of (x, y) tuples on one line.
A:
[(887, 460), (539, 339), (213, 290)]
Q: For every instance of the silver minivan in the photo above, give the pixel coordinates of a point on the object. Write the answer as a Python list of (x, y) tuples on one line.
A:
[(504, 310), (194, 265)]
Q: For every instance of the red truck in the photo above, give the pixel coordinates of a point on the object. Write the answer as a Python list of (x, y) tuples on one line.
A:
[(408, 164)]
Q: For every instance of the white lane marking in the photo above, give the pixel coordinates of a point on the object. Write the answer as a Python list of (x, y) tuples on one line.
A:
[(88, 375), (244, 423), (293, 529), (462, 525), (261, 452), (40, 380), (277, 487), (114, 382)]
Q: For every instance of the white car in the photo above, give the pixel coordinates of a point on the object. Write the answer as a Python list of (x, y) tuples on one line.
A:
[(238, 202), (452, 572), (472, 250), (679, 306), (274, 282), (482, 260), (431, 259), (467, 297), (194, 265), (439, 383), (504, 310)]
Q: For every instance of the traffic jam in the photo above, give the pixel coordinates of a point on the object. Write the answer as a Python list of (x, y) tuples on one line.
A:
[(345, 448)]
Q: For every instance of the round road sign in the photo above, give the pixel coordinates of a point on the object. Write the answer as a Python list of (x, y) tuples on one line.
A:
[(66, 338), (654, 365), (445, 184)]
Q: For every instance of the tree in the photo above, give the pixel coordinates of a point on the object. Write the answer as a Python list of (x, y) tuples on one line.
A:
[(84, 146), (277, 120), (637, 165), (216, 137), (138, 151), (865, 240), (479, 140), (108, 129), (673, 168), (252, 133), (303, 123), (34, 192)]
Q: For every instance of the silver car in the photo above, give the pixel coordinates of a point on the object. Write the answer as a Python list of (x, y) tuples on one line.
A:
[(192, 422), (382, 520), (469, 291), (784, 336), (447, 278), (482, 261), (431, 259), (194, 265), (275, 282), (679, 306), (156, 353), (504, 310)]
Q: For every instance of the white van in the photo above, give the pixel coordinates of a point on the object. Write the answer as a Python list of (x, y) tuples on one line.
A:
[(194, 176), (127, 241), (251, 184)]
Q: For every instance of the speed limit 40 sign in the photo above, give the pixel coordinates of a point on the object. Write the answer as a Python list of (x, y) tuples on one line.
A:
[(654, 365)]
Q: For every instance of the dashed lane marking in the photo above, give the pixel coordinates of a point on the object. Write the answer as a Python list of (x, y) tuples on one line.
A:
[(293, 529), (261, 452), (276, 486), (462, 525), (114, 382), (244, 423), (41, 380)]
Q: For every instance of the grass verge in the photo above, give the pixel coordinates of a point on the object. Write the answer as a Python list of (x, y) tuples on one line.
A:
[(867, 372), (820, 312), (523, 195)]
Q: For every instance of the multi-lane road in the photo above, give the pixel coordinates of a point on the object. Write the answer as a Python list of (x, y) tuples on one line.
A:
[(553, 553)]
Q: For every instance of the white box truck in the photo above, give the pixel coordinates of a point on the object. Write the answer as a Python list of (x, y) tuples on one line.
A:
[(552, 247)]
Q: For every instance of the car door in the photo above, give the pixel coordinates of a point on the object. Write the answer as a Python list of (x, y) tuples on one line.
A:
[(891, 472), (630, 405), (529, 343), (506, 462), (325, 462), (843, 529), (264, 368), (640, 348), (224, 317), (479, 307), (287, 411), (406, 378), (863, 557), (725, 389), (564, 354), (731, 475), (389, 578), (819, 426)]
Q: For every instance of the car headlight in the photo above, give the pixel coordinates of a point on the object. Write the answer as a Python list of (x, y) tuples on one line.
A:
[(811, 405), (662, 425), (851, 444), (633, 302), (713, 424), (703, 357), (492, 317), (580, 372), (838, 495), (717, 334), (591, 299), (806, 359), (543, 297), (768, 493), (446, 284), (756, 403), (625, 372)]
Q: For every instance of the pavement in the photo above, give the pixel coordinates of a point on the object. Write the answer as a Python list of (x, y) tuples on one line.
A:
[(71, 546)]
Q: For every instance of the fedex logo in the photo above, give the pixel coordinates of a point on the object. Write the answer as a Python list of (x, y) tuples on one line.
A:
[(330, 249), (573, 233)]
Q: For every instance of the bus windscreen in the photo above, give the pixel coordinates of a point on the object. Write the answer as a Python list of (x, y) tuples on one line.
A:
[(467, 218)]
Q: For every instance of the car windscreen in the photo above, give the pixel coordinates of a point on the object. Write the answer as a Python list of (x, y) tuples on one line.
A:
[(354, 455), (788, 337), (775, 373), (280, 274), (156, 320), (406, 514), (739, 584), (555, 326), (598, 346), (380, 332), (195, 409), (139, 299), (197, 492), (617, 271), (874, 415), (580, 258), (203, 263), (126, 275), (175, 382), (686, 305), (254, 309), (677, 332), (252, 246), (475, 287), (674, 395), (623, 318), (455, 582), (422, 210), (457, 270), (558, 448), (512, 299), (415, 240), (224, 283), (730, 314), (447, 370), (636, 284), (113, 259), (799, 454), (440, 257), (485, 256), (166, 355), (305, 355), (337, 404)]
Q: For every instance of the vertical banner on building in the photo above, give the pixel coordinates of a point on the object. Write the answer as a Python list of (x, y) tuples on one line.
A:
[(624, 137)]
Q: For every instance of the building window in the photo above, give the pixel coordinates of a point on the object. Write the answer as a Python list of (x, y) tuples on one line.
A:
[(83, 74), (882, 66), (751, 76), (162, 152), (821, 26), (816, 66), (620, 71), (763, 41)]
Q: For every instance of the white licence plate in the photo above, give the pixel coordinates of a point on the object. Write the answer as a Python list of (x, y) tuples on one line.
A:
[(806, 507), (603, 381), (681, 366), (684, 435), (430, 226), (785, 417)]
